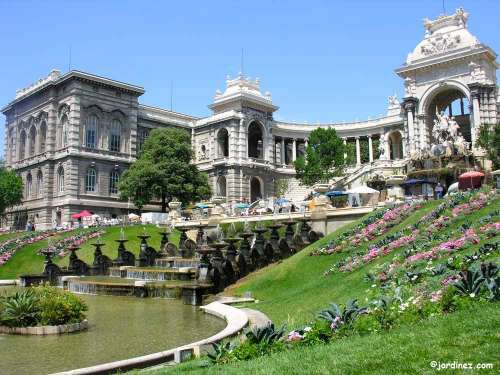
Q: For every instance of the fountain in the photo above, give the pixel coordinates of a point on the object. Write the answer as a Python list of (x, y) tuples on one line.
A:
[(143, 259), (230, 264), (76, 266), (259, 257), (124, 258), (272, 246)]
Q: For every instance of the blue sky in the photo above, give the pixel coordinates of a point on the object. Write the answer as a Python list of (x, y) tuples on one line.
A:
[(321, 60)]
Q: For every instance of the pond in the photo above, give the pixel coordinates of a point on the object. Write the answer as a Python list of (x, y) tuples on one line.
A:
[(120, 328)]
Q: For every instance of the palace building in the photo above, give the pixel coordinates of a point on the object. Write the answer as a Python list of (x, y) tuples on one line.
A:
[(70, 136)]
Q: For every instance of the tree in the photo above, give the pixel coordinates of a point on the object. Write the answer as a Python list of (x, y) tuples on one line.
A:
[(11, 188), (164, 171), (323, 157), (489, 139)]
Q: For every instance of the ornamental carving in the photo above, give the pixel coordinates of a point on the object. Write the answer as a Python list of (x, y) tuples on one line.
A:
[(440, 43)]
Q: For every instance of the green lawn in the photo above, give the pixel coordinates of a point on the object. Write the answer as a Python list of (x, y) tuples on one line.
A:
[(27, 260), (8, 235), (465, 336)]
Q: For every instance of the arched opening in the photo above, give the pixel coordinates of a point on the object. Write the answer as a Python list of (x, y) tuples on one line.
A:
[(395, 146), (90, 180), (255, 141), (221, 186), (22, 145), (223, 143), (29, 185), (60, 180), (114, 178), (43, 136), (255, 189), (91, 131), (39, 184), (115, 136), (32, 141), (449, 107)]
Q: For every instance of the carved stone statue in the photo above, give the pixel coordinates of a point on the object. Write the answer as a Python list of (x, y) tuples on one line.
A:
[(410, 87)]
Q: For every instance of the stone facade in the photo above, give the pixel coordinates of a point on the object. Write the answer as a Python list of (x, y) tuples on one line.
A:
[(71, 136)]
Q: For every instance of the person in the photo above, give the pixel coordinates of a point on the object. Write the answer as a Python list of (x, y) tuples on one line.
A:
[(439, 190)]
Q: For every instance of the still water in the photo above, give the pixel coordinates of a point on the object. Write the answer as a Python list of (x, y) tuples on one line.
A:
[(119, 328)]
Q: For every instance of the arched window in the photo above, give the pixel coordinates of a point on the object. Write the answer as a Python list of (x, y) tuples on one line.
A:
[(39, 184), (64, 131), (223, 143), (22, 145), (114, 177), (60, 180), (29, 185), (90, 180), (43, 136), (255, 141), (142, 134), (115, 136), (32, 140), (91, 132)]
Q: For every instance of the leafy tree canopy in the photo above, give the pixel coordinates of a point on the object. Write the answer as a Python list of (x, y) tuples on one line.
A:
[(489, 139), (323, 157), (164, 171), (11, 188)]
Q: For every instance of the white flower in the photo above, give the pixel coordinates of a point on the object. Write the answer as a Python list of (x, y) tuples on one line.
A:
[(374, 285), (472, 295), (307, 329)]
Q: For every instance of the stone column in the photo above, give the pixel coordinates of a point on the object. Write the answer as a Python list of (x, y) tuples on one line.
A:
[(409, 106), (345, 150), (306, 142), (294, 150), (282, 156), (370, 148), (358, 152)]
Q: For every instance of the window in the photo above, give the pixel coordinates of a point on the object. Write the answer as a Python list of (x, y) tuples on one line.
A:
[(43, 136), (90, 180), (32, 141), (115, 136), (39, 184), (114, 177), (142, 134), (64, 131), (91, 132), (22, 145), (29, 183), (60, 180)]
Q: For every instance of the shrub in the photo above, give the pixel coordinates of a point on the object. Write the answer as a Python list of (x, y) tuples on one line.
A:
[(43, 305)]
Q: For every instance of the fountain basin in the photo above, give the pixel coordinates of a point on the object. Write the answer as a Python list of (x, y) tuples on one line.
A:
[(190, 291), (154, 273), (176, 262)]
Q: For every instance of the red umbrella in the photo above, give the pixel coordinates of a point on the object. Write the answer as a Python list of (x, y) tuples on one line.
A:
[(470, 180), (84, 213)]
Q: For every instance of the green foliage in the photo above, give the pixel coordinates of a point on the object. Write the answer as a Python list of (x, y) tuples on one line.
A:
[(323, 157), (489, 139), (42, 305), (281, 186), (20, 309), (59, 307), (337, 316), (221, 353), (264, 335), (164, 171), (11, 189)]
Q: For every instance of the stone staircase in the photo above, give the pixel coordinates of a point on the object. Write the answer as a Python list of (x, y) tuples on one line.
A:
[(296, 192)]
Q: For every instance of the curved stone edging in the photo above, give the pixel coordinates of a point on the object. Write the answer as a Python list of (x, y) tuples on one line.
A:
[(236, 321), (46, 330)]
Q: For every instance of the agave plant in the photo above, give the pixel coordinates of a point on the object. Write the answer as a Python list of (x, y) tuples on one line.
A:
[(21, 309), (264, 335), (489, 272), (220, 352), (336, 316), (470, 283), (438, 270)]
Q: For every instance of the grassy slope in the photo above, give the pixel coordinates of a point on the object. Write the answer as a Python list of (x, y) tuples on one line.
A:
[(465, 336), (9, 235), (294, 290), (27, 260)]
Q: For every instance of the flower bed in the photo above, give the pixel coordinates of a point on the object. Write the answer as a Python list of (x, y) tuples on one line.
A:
[(46, 330), (60, 247), (9, 247), (367, 232)]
